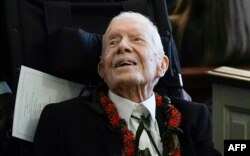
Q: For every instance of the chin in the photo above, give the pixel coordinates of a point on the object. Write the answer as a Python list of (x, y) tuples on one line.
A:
[(125, 82), (121, 79)]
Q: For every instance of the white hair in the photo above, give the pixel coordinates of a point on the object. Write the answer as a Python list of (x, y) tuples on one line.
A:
[(153, 32)]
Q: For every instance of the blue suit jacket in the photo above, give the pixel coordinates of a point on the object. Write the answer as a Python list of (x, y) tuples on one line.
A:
[(79, 127)]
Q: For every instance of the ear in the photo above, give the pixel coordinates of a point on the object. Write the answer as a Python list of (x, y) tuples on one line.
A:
[(163, 66), (100, 69)]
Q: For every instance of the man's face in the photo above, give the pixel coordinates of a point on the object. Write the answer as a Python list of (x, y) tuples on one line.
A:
[(128, 57)]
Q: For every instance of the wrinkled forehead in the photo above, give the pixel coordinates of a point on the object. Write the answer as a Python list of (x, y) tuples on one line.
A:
[(130, 26), (127, 24)]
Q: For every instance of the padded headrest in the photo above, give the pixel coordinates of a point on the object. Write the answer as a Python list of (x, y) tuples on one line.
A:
[(74, 55)]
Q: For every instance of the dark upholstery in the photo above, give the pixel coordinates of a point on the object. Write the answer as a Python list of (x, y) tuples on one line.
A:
[(74, 54)]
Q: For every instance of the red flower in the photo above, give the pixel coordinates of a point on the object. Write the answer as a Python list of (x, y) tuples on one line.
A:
[(128, 137), (114, 120), (104, 100), (177, 153), (129, 151), (159, 101), (110, 108), (128, 143), (173, 122), (174, 111), (175, 117), (124, 128)]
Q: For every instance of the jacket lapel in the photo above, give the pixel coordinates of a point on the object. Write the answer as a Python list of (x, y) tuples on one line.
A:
[(110, 138), (95, 106), (160, 119)]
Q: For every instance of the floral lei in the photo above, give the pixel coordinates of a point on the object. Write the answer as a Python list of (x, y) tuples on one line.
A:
[(171, 145)]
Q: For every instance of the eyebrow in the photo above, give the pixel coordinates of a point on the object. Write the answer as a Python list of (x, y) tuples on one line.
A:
[(138, 35), (114, 35)]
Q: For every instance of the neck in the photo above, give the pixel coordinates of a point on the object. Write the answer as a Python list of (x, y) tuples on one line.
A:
[(135, 93)]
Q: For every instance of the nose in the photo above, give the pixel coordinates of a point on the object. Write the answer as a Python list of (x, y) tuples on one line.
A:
[(124, 46)]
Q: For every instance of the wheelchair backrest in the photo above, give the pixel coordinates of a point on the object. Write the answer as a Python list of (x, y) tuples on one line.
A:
[(64, 38)]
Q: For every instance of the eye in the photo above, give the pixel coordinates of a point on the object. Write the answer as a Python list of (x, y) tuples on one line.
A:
[(112, 42), (138, 39)]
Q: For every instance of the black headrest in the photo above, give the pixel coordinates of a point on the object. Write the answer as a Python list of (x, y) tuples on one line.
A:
[(74, 54)]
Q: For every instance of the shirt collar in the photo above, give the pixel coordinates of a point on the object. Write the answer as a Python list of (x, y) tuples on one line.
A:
[(125, 106), (151, 106)]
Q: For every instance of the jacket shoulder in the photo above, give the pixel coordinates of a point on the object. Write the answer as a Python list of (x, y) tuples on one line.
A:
[(72, 105), (189, 107)]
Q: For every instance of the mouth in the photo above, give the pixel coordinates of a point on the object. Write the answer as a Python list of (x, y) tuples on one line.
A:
[(125, 63)]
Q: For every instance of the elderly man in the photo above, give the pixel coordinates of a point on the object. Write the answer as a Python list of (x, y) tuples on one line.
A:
[(125, 116)]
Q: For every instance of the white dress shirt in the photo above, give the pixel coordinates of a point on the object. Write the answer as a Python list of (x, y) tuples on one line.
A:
[(125, 108)]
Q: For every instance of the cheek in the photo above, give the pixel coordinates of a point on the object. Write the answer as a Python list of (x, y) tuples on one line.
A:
[(150, 58), (107, 76), (146, 61), (107, 59), (152, 64)]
